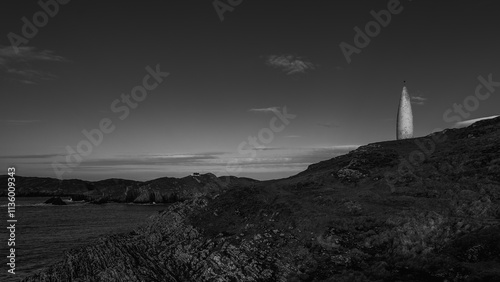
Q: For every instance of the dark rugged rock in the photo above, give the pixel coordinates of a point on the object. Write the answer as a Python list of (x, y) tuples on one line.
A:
[(55, 201), (401, 218), (100, 201), (78, 197)]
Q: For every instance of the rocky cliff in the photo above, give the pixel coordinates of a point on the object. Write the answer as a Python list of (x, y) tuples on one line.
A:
[(422, 209)]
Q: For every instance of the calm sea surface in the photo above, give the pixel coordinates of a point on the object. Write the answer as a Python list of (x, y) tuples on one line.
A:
[(44, 232)]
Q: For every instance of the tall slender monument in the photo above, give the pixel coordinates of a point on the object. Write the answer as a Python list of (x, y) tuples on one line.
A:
[(404, 127)]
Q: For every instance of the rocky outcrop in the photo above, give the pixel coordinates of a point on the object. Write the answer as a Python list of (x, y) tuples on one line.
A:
[(57, 201)]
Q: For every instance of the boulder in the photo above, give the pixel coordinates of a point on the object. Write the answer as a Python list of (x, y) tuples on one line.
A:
[(55, 201)]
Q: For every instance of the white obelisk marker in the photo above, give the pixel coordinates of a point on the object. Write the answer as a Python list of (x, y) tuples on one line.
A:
[(405, 117)]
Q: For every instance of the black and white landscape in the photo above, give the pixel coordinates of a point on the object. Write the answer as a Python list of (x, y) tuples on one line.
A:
[(234, 140)]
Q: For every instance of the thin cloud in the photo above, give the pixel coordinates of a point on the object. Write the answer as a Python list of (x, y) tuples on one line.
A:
[(175, 159), (19, 66), (290, 64), (36, 156), (24, 81), (295, 157), (276, 156), (27, 53), (328, 124), (264, 148), (21, 121), (466, 123), (265, 110), (418, 99), (136, 161)]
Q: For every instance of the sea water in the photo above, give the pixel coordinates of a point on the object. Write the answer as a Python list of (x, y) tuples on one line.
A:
[(44, 232)]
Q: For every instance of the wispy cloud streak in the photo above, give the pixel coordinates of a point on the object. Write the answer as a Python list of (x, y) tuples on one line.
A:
[(290, 64), (21, 121), (265, 110), (466, 123), (20, 65)]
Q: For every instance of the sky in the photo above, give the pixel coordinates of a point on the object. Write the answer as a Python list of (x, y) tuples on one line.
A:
[(258, 89)]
